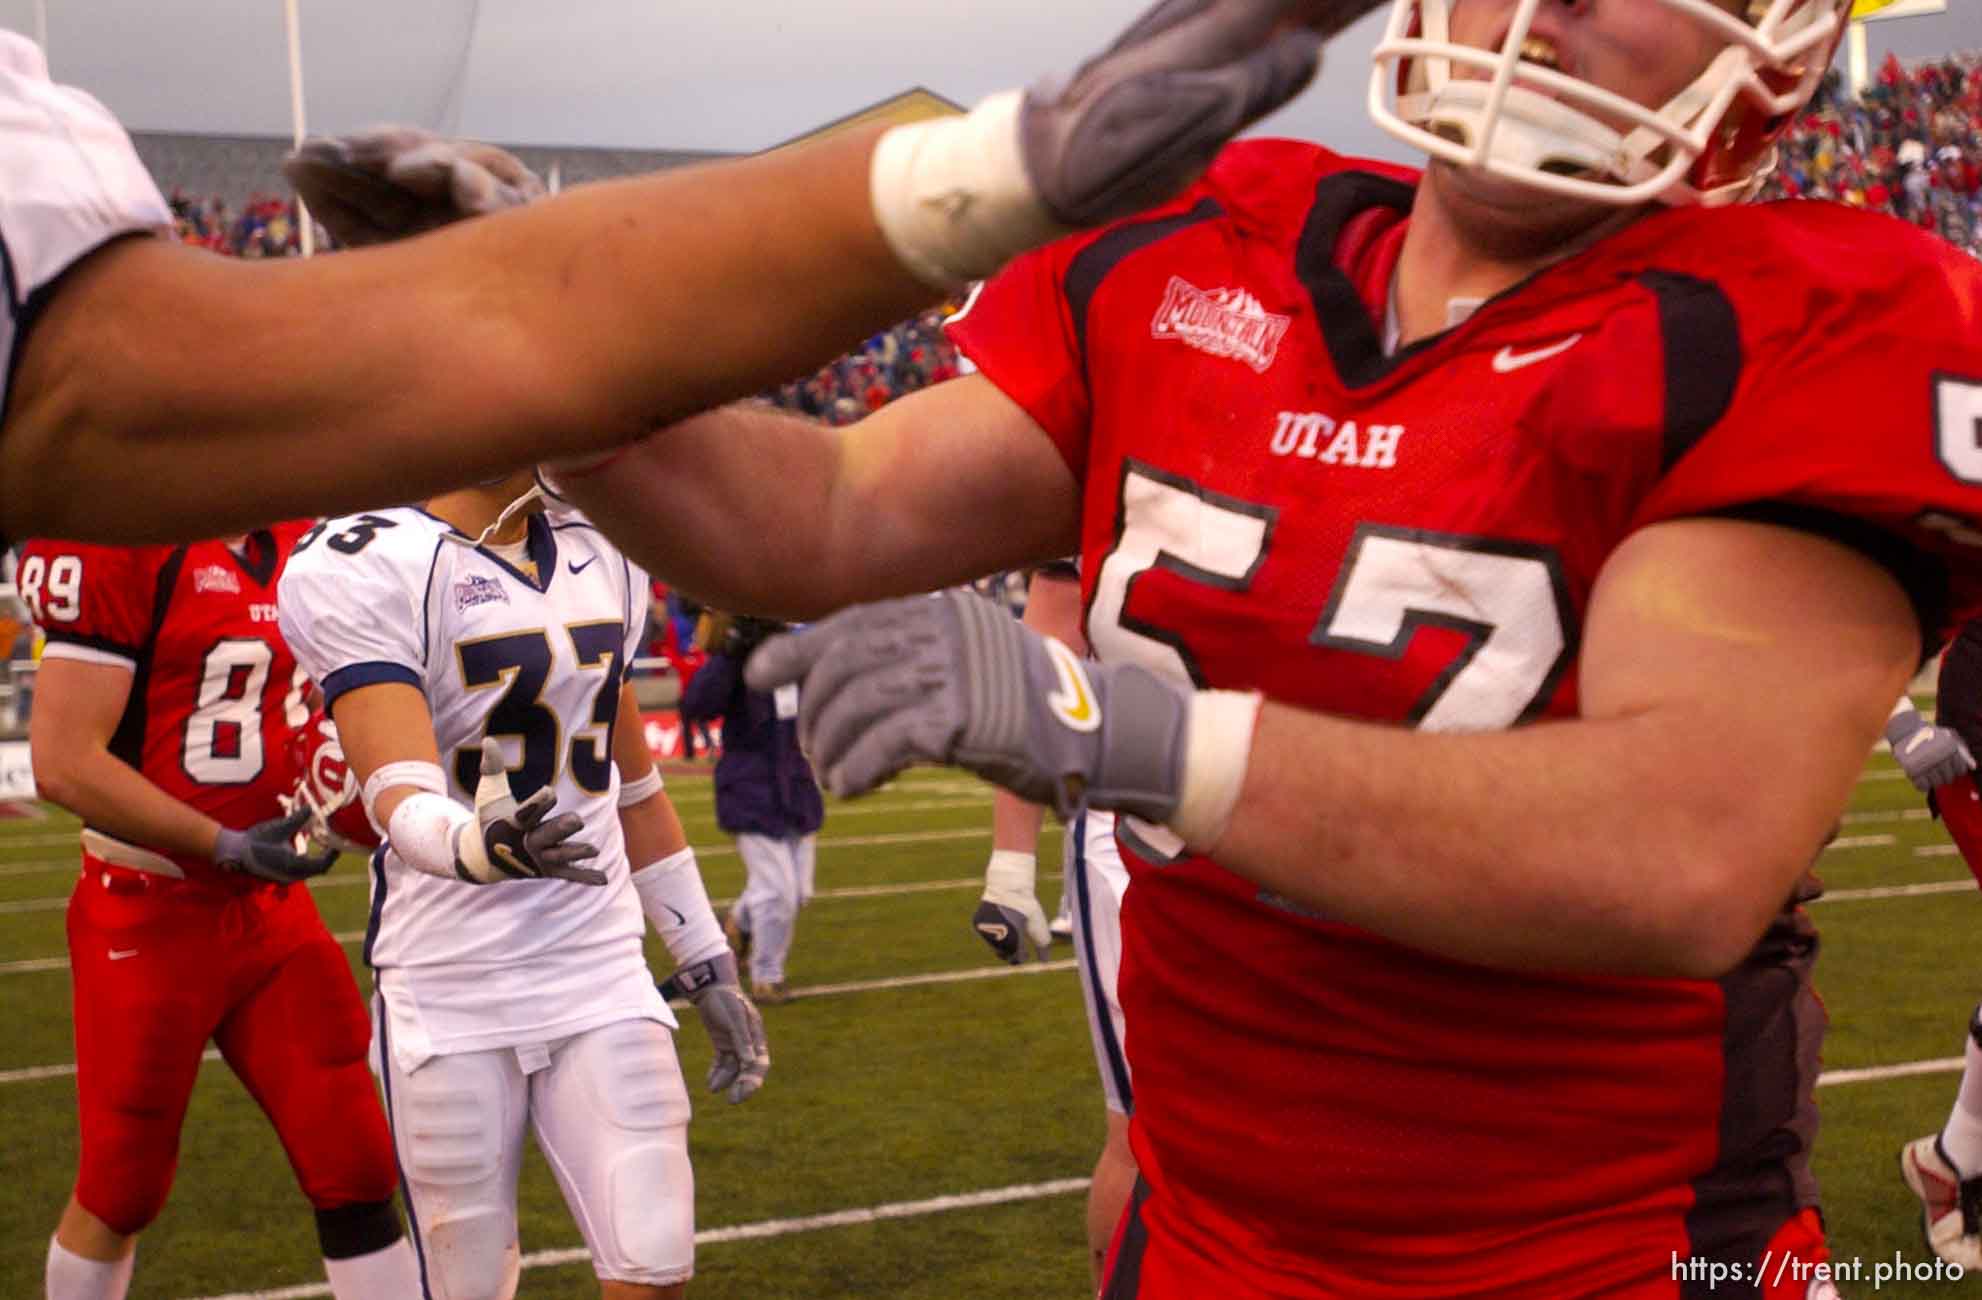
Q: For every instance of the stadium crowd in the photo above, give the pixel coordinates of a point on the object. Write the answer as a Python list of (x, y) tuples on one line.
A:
[(1910, 145)]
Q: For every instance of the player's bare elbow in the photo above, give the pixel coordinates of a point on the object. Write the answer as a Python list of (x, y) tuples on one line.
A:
[(1716, 908)]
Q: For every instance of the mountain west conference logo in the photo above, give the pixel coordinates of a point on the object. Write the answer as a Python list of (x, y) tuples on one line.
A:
[(1225, 323)]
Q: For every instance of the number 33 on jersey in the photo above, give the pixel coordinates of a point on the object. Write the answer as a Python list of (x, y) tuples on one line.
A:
[(530, 648)]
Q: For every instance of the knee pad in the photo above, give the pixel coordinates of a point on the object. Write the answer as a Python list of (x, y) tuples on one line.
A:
[(472, 1255), (653, 1215)]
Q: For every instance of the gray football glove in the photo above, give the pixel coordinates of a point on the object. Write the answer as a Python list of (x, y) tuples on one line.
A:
[(268, 850), (1008, 916), (954, 679), (736, 1030), (1930, 756), (512, 841), (375, 186), (1140, 120)]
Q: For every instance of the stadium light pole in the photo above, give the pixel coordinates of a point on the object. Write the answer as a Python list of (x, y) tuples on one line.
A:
[(294, 26)]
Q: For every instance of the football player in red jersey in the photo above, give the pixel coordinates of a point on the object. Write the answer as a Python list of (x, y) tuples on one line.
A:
[(1498, 575), (200, 395), (166, 705), (1945, 1169)]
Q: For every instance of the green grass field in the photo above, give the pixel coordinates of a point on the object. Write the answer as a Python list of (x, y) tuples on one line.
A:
[(973, 1080)]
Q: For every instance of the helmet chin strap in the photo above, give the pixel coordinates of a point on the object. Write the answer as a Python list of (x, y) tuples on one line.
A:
[(536, 493)]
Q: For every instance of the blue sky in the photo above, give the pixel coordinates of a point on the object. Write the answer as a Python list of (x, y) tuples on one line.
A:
[(687, 74)]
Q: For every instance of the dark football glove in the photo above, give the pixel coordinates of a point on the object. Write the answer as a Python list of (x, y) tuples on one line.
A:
[(512, 841), (390, 182), (736, 1030), (1140, 120), (954, 679), (268, 850)]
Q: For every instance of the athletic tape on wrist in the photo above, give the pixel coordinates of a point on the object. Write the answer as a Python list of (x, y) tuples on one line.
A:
[(1217, 750), (428, 830), (640, 790), (1011, 869), (412, 772), (952, 197), (677, 904)]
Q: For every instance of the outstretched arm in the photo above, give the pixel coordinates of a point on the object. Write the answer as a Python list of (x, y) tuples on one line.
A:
[(1731, 679), (202, 397)]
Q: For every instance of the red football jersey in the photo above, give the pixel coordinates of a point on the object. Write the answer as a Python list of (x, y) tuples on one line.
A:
[(215, 692), (1271, 502)]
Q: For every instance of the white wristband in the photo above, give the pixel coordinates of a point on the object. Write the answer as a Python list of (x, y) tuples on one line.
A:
[(675, 900), (1011, 870), (433, 834), (952, 197), (1216, 753), (640, 790)]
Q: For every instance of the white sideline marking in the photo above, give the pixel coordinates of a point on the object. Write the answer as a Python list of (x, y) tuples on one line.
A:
[(1937, 851), (764, 1228), (1861, 842), (1898, 891), (1942, 1065), (966, 976), (354, 879), (30, 965), (1880, 818)]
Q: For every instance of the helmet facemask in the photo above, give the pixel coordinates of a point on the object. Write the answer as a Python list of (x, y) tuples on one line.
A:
[(1709, 143)]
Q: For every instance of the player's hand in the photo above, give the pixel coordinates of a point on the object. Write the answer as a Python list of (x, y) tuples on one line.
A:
[(268, 850), (1008, 916), (1930, 756), (1140, 121), (512, 841), (954, 679), (736, 1030), (390, 182)]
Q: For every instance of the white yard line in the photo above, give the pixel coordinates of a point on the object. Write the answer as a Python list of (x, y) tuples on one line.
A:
[(969, 976), (764, 1228)]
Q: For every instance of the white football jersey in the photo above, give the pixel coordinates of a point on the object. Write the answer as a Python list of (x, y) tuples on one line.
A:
[(533, 654), (69, 183)]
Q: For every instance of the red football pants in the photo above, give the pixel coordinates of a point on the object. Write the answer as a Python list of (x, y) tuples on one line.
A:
[(160, 967)]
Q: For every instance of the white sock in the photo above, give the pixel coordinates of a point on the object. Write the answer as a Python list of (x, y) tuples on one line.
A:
[(1962, 1138), (391, 1271), (71, 1277)]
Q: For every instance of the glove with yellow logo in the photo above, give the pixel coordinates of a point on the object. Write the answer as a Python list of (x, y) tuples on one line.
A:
[(954, 679)]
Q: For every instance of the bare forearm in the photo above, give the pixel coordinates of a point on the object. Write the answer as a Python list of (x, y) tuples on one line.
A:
[(653, 831), (1622, 846), (116, 799), (242, 392), (1015, 823), (756, 511)]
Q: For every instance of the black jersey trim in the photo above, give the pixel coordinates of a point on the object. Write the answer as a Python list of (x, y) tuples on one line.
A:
[(258, 556), (1093, 264), (1923, 577), (1703, 358), (127, 743), (1354, 342)]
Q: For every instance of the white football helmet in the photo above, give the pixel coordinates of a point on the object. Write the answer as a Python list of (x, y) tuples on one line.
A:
[(1711, 143)]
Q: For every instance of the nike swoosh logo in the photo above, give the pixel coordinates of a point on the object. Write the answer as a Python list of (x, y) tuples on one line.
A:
[(119, 954), (994, 932), (580, 568), (1073, 704), (1507, 360)]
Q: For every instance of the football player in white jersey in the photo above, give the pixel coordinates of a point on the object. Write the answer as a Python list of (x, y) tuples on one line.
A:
[(482, 642), (1010, 919), (194, 396)]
